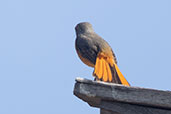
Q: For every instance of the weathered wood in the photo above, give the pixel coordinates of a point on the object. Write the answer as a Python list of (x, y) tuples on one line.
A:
[(119, 99), (103, 111), (126, 108)]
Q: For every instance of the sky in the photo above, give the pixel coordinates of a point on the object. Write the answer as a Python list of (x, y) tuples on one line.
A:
[(38, 61)]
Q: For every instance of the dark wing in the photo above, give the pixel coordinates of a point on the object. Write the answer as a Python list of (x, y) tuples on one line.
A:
[(114, 57), (86, 49), (101, 43)]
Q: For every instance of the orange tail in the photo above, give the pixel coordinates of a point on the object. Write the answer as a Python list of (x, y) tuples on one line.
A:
[(119, 76), (108, 71)]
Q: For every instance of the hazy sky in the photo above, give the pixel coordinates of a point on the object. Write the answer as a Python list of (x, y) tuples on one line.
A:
[(38, 61)]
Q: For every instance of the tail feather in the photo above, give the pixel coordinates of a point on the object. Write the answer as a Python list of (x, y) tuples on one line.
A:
[(120, 76), (108, 72), (96, 69), (115, 77), (105, 72), (100, 68)]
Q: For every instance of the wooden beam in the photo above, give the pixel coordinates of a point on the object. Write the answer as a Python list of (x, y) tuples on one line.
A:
[(119, 99)]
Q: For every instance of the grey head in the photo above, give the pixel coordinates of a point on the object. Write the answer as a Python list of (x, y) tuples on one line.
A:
[(84, 27)]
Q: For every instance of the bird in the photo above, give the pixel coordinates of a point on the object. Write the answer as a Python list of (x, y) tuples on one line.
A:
[(95, 52)]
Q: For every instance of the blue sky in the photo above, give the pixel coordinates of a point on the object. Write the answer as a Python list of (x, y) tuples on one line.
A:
[(38, 61)]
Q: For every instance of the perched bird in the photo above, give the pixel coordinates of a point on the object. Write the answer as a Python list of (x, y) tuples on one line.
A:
[(96, 52)]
